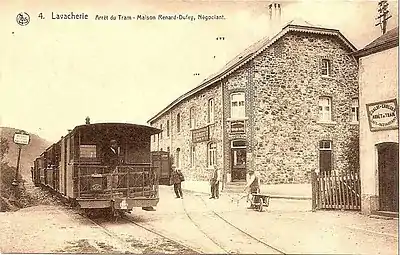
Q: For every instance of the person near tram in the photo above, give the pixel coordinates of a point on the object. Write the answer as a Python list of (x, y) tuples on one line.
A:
[(177, 178), (112, 159)]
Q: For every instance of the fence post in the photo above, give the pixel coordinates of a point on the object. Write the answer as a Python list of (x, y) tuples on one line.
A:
[(314, 191)]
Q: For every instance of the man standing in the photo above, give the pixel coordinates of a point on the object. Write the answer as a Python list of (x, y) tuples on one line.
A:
[(177, 178), (111, 158), (214, 182)]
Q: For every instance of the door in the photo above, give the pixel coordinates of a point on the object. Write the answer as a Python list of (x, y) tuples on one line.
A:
[(161, 160), (325, 157), (388, 176), (238, 157)]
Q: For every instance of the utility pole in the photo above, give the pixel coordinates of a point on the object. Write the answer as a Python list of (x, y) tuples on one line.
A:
[(383, 15)]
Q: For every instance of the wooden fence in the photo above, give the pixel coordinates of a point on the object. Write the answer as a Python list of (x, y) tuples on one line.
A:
[(336, 191)]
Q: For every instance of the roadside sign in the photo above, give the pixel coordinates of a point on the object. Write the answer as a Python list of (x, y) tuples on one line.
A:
[(22, 139)]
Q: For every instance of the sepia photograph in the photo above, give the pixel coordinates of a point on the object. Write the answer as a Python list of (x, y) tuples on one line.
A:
[(199, 127)]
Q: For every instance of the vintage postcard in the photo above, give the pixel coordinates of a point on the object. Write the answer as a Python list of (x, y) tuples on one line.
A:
[(194, 126)]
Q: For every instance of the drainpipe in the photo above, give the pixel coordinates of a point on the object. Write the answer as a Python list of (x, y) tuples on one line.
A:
[(223, 137)]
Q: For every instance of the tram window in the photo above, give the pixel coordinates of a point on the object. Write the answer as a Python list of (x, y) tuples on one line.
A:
[(87, 151)]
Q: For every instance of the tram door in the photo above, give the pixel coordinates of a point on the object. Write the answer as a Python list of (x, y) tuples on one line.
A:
[(388, 174), (162, 161), (238, 159)]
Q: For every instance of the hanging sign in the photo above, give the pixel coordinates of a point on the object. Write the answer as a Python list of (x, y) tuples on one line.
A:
[(200, 135), (237, 127), (383, 115)]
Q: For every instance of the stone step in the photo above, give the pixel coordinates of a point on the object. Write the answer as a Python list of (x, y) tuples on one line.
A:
[(234, 188), (236, 183)]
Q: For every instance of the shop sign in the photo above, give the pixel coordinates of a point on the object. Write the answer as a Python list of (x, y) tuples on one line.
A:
[(238, 127), (383, 115), (200, 135)]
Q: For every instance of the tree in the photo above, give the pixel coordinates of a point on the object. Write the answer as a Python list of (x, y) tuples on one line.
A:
[(3, 148)]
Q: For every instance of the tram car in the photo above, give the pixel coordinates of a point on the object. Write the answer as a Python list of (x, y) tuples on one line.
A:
[(162, 161), (102, 166)]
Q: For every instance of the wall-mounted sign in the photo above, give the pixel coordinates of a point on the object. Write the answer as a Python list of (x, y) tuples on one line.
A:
[(383, 115), (21, 138), (238, 126), (200, 135)]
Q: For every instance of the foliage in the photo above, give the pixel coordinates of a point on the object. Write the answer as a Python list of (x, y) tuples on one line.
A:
[(4, 147), (352, 154)]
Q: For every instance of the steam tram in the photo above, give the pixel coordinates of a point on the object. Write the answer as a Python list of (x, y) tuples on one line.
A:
[(76, 167)]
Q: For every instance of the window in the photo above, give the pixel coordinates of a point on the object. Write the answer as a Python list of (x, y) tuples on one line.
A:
[(87, 151), (178, 122), (167, 128), (326, 67), (192, 118), (325, 157), (161, 131), (354, 110), (178, 159), (238, 105), (211, 111), (212, 157), (154, 138), (192, 156), (325, 106)]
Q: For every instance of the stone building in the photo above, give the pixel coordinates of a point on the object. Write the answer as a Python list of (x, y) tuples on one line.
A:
[(379, 127), (285, 106)]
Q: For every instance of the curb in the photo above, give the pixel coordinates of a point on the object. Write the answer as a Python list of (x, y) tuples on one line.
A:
[(271, 196)]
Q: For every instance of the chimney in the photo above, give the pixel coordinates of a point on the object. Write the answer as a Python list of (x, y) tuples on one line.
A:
[(275, 13), (87, 120)]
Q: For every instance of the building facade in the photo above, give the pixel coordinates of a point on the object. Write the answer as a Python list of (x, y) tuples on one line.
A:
[(285, 107), (379, 148)]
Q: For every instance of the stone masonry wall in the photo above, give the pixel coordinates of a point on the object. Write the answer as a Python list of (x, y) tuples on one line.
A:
[(183, 139), (287, 86)]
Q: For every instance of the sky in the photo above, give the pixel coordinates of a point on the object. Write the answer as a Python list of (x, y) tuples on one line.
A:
[(54, 73)]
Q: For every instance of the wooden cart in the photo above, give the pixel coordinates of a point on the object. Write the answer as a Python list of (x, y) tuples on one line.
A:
[(258, 201)]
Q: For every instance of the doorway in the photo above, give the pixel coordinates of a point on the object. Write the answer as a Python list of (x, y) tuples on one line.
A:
[(325, 157), (388, 176), (238, 159)]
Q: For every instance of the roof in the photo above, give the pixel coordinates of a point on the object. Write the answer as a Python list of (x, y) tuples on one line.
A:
[(250, 53), (151, 130), (386, 41)]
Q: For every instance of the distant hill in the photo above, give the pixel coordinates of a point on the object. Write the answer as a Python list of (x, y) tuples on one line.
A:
[(28, 153)]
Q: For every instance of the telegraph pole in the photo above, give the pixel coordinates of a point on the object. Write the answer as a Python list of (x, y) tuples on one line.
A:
[(383, 15)]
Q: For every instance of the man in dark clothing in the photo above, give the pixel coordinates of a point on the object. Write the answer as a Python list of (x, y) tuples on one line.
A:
[(177, 178), (111, 158), (214, 182)]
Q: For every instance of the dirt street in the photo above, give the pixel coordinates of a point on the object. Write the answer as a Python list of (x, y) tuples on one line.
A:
[(198, 224)]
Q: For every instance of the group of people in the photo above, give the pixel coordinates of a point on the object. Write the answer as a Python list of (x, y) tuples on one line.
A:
[(112, 158), (252, 186)]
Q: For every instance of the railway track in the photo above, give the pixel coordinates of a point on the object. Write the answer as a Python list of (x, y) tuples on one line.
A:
[(121, 241), (224, 234), (194, 250), (124, 242)]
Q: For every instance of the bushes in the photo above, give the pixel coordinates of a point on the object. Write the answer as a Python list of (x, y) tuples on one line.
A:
[(7, 175)]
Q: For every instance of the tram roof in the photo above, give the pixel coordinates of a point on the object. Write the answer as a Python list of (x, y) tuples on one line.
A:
[(140, 128)]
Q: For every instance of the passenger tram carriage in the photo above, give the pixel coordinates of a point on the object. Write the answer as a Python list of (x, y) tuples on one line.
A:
[(77, 168)]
